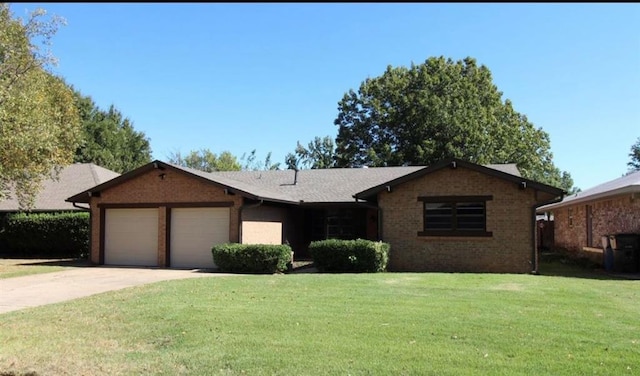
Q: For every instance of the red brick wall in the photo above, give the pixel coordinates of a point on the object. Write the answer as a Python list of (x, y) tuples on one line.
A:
[(570, 230), (148, 188), (619, 214), (509, 217)]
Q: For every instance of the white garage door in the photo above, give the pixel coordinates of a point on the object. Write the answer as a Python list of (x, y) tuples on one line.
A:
[(193, 232), (131, 237)]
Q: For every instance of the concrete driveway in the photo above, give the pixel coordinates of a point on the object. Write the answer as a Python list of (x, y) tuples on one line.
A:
[(40, 289)]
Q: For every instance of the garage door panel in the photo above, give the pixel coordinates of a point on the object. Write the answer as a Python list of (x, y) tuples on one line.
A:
[(193, 232), (131, 237)]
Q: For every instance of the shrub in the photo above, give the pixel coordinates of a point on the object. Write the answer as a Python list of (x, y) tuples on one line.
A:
[(252, 258), (47, 235), (359, 255)]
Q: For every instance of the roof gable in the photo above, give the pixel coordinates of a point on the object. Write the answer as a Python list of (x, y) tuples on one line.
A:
[(455, 163)]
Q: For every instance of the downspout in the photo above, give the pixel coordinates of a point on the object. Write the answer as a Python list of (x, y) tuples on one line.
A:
[(240, 217), (534, 230)]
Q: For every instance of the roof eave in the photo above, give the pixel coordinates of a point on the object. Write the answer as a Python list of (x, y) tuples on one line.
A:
[(334, 203), (599, 196)]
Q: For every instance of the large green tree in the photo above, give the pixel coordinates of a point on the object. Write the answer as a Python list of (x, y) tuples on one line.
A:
[(206, 160), (436, 110), (634, 164), (109, 139), (319, 153), (39, 123)]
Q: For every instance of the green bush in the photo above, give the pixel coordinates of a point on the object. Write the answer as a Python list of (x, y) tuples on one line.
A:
[(252, 258), (334, 255), (46, 235)]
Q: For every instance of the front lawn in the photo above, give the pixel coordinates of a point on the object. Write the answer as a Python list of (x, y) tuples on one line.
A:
[(10, 268), (336, 324)]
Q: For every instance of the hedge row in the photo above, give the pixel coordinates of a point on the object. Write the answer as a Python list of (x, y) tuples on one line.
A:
[(252, 258), (46, 235), (334, 255)]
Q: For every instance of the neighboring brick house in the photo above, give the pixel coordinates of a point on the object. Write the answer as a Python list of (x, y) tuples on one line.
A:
[(452, 216), (580, 220)]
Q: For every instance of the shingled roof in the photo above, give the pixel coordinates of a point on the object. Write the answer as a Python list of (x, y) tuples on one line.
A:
[(626, 184), (72, 179), (317, 186), (321, 186), (334, 185)]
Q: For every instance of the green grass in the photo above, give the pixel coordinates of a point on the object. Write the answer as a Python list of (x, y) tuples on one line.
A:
[(10, 268), (338, 324)]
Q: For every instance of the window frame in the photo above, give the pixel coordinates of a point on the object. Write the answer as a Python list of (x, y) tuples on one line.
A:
[(454, 201), (340, 224)]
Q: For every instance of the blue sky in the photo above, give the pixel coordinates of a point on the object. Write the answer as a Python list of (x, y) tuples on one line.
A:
[(263, 76)]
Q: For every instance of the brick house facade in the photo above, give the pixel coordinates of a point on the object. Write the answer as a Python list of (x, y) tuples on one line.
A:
[(454, 216), (509, 221), (619, 214), (507, 249), (581, 220)]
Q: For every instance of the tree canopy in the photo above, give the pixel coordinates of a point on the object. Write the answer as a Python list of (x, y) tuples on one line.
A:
[(319, 153), (437, 110), (206, 160), (39, 123), (109, 139), (634, 164)]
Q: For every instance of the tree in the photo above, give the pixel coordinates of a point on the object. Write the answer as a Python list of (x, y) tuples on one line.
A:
[(253, 165), (437, 110), (320, 153), (634, 164), (206, 160), (108, 138), (39, 123)]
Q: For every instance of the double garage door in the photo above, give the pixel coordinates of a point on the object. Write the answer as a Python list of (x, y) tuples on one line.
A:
[(131, 236)]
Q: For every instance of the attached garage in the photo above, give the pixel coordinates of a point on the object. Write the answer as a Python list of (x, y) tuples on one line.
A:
[(131, 237), (193, 232)]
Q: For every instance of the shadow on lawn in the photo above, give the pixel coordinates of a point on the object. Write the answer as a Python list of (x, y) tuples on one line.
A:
[(550, 265), (55, 262), (559, 266)]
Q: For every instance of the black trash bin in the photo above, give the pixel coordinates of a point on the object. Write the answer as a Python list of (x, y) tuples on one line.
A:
[(626, 252)]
